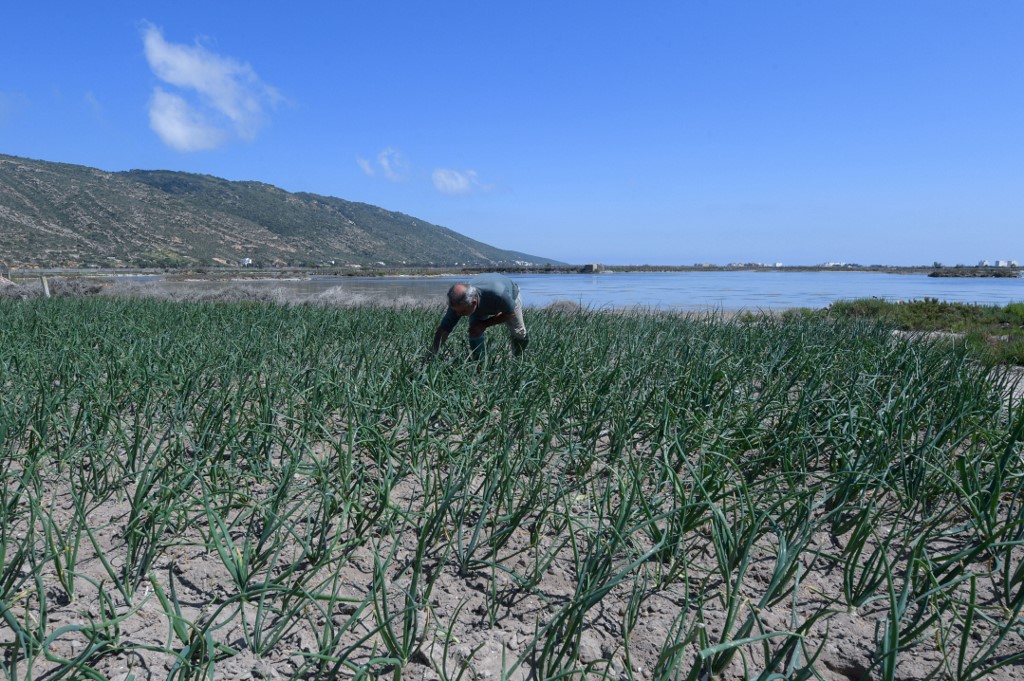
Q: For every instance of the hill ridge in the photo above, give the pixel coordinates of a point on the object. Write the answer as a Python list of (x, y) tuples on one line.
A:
[(64, 215)]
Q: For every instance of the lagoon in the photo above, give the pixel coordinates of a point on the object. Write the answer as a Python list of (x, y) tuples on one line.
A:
[(683, 291)]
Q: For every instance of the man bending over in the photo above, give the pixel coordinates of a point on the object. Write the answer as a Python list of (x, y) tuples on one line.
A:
[(487, 299)]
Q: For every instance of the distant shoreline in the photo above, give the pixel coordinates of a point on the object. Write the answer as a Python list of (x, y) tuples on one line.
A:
[(239, 273)]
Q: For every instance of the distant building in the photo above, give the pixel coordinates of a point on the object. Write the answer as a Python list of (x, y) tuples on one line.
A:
[(245, 262)]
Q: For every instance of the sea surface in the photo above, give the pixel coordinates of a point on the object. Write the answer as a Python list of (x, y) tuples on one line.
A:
[(724, 291)]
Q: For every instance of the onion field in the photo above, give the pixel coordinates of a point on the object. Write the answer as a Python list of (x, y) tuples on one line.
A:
[(249, 490)]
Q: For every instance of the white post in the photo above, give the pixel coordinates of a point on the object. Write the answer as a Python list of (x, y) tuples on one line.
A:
[(46, 287)]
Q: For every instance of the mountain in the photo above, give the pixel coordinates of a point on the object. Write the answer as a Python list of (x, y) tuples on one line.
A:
[(61, 215)]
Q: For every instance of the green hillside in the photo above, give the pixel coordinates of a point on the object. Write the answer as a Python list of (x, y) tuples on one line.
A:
[(61, 215)]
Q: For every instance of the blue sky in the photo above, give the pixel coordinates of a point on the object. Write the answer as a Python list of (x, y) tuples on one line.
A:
[(625, 133)]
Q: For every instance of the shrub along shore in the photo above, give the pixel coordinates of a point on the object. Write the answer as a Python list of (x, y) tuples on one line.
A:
[(993, 333), (240, 488)]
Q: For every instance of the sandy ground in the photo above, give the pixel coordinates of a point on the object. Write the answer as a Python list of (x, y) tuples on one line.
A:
[(479, 621)]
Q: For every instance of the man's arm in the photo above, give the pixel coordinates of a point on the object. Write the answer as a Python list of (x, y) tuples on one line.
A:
[(478, 326), (440, 336), (447, 325)]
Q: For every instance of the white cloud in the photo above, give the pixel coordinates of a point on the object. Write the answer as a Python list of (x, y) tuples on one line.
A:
[(181, 127), (214, 93), (393, 164), (457, 182), (390, 163)]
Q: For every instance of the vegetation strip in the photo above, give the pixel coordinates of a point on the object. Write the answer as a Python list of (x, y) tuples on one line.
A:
[(228, 489)]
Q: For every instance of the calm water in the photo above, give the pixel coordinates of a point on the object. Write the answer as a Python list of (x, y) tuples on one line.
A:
[(727, 291)]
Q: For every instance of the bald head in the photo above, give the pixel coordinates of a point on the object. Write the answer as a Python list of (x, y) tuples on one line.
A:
[(463, 297), (462, 294)]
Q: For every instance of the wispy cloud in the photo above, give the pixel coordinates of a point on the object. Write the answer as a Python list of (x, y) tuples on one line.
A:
[(215, 97), (457, 182), (10, 102), (390, 163), (90, 98), (393, 163)]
